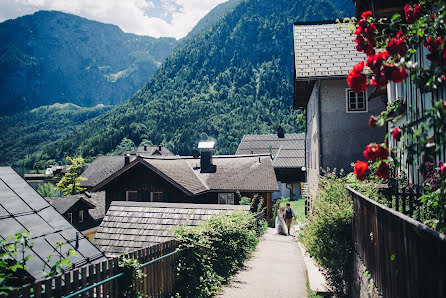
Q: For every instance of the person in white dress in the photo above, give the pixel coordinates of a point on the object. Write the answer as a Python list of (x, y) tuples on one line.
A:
[(280, 222)]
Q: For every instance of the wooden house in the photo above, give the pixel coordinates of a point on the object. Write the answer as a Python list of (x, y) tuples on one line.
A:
[(204, 180)]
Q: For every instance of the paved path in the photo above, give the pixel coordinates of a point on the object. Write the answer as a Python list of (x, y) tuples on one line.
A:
[(276, 269)]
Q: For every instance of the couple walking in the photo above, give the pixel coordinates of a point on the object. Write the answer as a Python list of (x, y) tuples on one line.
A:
[(284, 219)]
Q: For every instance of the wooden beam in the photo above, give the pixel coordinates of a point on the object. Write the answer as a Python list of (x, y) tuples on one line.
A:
[(269, 205)]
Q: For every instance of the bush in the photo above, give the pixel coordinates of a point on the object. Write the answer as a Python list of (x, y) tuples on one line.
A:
[(215, 250), (327, 232)]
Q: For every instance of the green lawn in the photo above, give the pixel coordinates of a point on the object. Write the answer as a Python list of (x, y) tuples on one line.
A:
[(298, 207)]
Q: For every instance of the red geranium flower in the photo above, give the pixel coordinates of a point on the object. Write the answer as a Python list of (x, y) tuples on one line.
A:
[(374, 151), (396, 134), (372, 121), (398, 74), (360, 169), (356, 80), (383, 170), (366, 14), (412, 14)]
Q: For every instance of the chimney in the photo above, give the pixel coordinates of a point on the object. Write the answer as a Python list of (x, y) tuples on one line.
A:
[(145, 147), (280, 132), (206, 152), (126, 159), (159, 147)]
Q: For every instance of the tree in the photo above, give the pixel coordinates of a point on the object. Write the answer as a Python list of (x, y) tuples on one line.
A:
[(125, 145), (70, 183), (46, 190)]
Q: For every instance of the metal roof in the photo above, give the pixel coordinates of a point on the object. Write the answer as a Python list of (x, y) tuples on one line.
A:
[(324, 50), (129, 226), (287, 152), (22, 209)]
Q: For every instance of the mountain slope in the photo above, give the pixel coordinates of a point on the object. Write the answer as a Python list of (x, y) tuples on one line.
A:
[(25, 132), (233, 80), (51, 57)]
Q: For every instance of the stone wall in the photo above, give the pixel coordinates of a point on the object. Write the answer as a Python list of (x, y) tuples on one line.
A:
[(363, 285)]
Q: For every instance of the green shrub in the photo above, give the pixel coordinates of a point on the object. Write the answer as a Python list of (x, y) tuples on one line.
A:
[(215, 250), (262, 226), (327, 232), (47, 190)]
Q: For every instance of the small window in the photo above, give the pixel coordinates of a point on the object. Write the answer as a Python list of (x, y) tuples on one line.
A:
[(81, 216), (70, 217), (226, 199), (356, 102), (131, 195), (156, 196)]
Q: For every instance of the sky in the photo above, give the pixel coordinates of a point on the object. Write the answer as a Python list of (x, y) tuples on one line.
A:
[(168, 18)]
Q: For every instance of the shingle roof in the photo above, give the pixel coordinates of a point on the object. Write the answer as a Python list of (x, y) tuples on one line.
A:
[(324, 50), (150, 150), (22, 209), (95, 200), (287, 152), (101, 168), (129, 226)]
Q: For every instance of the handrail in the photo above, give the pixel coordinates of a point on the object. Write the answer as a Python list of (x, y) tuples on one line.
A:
[(120, 274)]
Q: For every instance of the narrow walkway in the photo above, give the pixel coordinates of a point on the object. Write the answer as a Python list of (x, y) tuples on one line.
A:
[(276, 269)]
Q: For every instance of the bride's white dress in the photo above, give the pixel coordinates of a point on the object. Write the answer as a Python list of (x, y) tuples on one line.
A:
[(280, 223)]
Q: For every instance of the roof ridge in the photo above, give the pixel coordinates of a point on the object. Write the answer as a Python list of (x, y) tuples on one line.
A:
[(196, 175)]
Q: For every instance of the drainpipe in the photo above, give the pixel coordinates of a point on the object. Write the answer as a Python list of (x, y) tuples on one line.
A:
[(291, 191), (319, 134)]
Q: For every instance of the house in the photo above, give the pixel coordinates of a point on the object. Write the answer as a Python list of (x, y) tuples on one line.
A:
[(103, 166), (337, 118), (288, 159), (185, 179), (84, 211), (129, 226), (22, 209)]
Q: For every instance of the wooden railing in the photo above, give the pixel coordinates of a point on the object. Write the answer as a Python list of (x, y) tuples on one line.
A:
[(102, 279), (404, 257)]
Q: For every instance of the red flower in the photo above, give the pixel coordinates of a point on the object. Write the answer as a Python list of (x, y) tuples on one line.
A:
[(443, 168), (360, 169), (356, 80), (366, 14), (396, 134), (383, 170), (398, 75), (444, 104), (412, 14), (418, 11), (372, 121), (374, 152)]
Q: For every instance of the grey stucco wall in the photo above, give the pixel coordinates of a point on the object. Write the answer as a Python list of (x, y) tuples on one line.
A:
[(344, 135), (312, 142)]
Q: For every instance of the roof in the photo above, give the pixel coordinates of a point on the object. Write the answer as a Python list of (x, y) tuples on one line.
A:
[(150, 150), (251, 173), (324, 50), (130, 226), (101, 168), (63, 204), (22, 209), (287, 152), (95, 201)]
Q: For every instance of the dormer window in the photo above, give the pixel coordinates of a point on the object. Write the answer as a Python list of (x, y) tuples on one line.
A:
[(131, 195), (356, 102), (70, 217)]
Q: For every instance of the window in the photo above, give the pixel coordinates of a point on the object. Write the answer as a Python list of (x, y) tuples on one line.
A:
[(226, 198), (156, 196), (131, 195), (81, 216), (356, 102), (70, 217)]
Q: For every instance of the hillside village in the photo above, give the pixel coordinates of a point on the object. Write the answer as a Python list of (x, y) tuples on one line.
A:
[(337, 191)]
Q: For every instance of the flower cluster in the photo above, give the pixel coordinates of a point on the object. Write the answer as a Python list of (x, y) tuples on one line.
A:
[(384, 72), (435, 175), (437, 50), (412, 14), (374, 152), (397, 45), (396, 134), (365, 35), (356, 79)]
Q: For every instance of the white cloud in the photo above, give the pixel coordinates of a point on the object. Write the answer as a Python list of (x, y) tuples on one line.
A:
[(176, 17)]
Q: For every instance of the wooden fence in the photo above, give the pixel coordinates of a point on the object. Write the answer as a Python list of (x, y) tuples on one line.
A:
[(404, 257), (100, 279)]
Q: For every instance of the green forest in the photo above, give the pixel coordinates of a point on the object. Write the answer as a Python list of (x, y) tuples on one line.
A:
[(233, 79)]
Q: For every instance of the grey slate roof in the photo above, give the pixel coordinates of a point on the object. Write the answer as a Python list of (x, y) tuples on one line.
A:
[(101, 168), (234, 172), (96, 200), (129, 226), (22, 209), (150, 150), (287, 152), (323, 50)]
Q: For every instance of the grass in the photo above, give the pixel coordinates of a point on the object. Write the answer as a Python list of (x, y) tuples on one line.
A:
[(298, 207)]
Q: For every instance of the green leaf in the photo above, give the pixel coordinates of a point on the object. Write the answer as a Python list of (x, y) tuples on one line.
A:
[(395, 17)]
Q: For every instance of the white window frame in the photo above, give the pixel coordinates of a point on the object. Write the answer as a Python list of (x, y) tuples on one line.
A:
[(81, 216), (130, 192), (226, 198), (70, 217), (347, 102)]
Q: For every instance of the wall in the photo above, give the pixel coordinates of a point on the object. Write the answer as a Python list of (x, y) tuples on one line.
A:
[(363, 284), (344, 135), (285, 192)]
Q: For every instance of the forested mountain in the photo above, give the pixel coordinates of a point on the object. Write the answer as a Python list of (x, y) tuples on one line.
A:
[(26, 132), (234, 79), (51, 57)]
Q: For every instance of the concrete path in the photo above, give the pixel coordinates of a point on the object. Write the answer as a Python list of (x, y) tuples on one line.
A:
[(276, 269)]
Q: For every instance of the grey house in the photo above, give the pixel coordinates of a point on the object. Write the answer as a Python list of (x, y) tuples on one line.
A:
[(337, 118), (288, 159)]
